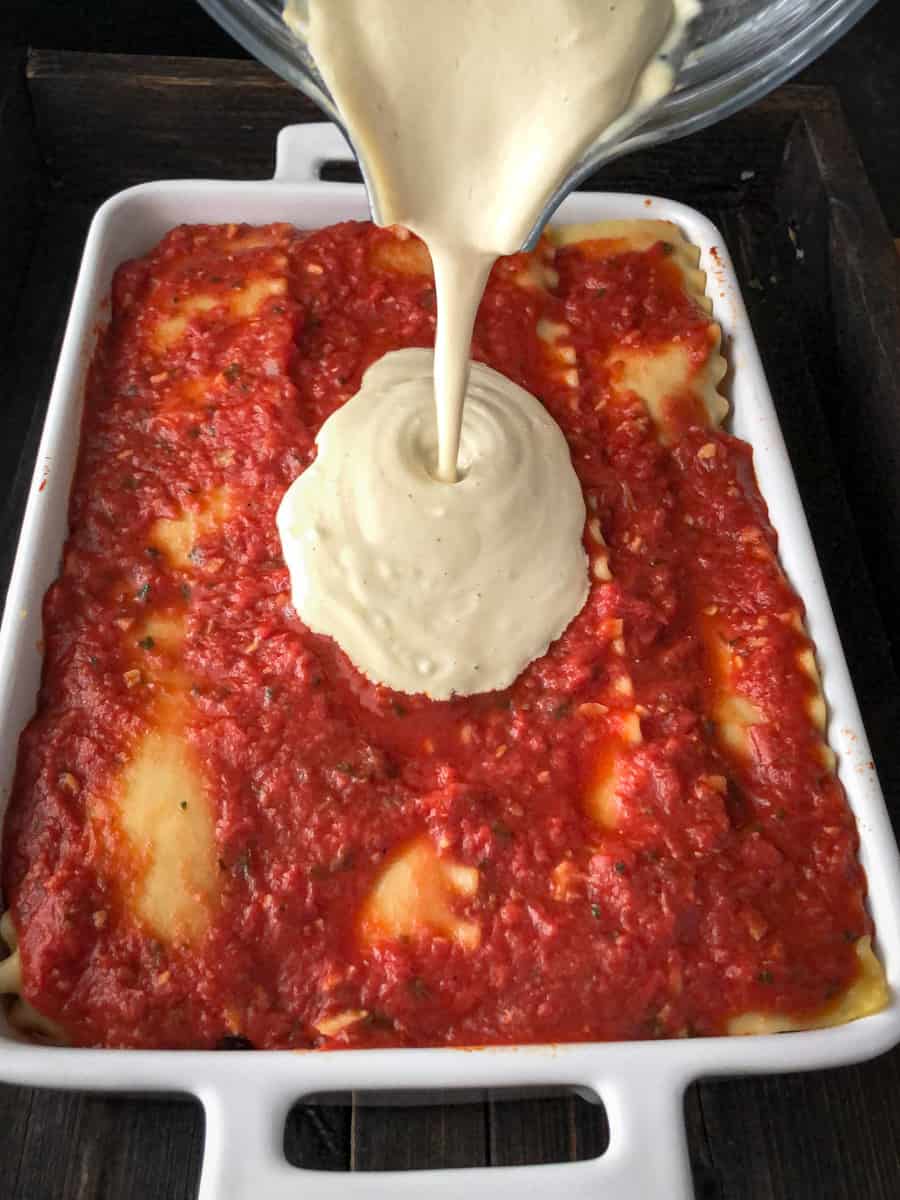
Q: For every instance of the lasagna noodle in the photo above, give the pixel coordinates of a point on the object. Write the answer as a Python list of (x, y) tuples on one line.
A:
[(155, 818), (161, 806), (417, 893), (420, 892), (158, 803), (660, 374), (654, 378), (22, 1015), (868, 994), (161, 800)]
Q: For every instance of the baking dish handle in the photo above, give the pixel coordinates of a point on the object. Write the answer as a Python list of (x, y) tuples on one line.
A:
[(302, 150), (647, 1158)]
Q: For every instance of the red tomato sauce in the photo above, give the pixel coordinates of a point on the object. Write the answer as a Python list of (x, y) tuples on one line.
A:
[(725, 885)]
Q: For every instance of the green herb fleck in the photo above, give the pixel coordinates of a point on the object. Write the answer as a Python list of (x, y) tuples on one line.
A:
[(143, 592), (595, 911), (667, 247), (186, 591), (765, 977), (600, 291), (561, 710), (620, 868), (654, 1025), (501, 830), (849, 935), (182, 804), (146, 643), (379, 1020), (232, 371), (153, 552)]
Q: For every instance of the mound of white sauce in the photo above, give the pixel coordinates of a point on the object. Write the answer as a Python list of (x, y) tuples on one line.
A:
[(467, 115), (432, 587)]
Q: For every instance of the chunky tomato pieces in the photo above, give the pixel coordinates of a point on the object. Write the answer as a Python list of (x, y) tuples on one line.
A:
[(704, 885)]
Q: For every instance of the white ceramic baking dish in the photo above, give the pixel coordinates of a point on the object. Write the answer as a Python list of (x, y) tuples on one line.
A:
[(247, 1096)]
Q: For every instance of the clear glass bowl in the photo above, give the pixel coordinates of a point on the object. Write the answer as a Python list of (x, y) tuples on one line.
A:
[(739, 50)]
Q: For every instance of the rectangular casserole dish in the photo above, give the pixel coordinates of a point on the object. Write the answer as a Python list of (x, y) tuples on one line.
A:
[(246, 1098)]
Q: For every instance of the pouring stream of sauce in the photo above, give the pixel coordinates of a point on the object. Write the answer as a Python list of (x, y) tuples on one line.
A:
[(467, 116), (432, 578)]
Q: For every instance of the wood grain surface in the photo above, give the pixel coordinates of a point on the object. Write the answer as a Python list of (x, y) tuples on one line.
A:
[(782, 176), (863, 67)]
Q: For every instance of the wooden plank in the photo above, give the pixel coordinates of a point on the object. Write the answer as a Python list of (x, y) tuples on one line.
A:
[(756, 1139), (763, 251), (706, 1178), (531, 1131), (317, 1136), (87, 107), (832, 1135), (15, 1114), (745, 1136), (864, 292), (407, 1138), (591, 1129), (22, 186), (28, 374), (545, 1130), (124, 26), (85, 1147), (864, 67)]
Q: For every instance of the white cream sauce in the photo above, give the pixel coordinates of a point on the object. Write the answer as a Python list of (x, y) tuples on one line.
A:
[(428, 586), (467, 115)]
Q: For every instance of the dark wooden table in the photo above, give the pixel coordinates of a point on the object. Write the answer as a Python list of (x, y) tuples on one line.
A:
[(74, 129), (864, 67)]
